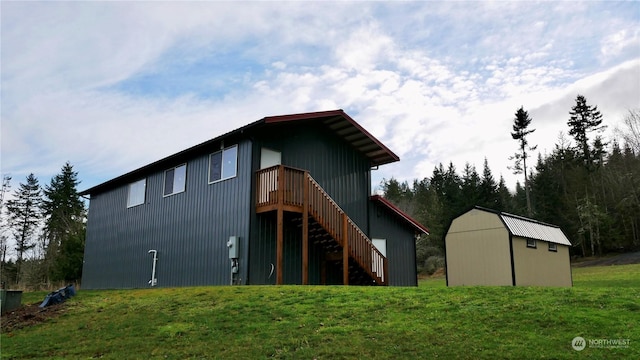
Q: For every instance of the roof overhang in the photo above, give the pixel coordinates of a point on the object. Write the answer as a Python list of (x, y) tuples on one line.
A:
[(529, 228), (348, 129), (336, 120), (419, 228)]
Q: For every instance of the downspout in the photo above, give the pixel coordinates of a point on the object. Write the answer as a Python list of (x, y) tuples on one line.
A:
[(153, 281)]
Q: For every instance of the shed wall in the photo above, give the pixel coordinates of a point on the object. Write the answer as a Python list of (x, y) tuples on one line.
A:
[(539, 266), (477, 250), (189, 230)]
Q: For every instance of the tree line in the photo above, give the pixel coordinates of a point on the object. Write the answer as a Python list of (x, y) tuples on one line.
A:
[(47, 225), (589, 187)]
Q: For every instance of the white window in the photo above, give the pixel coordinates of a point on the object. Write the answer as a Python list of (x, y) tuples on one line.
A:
[(381, 245), (269, 158), (137, 191), (531, 243), (175, 180), (553, 247), (223, 164)]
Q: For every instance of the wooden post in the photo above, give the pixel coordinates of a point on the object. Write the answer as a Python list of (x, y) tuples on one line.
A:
[(280, 226), (305, 229), (345, 251)]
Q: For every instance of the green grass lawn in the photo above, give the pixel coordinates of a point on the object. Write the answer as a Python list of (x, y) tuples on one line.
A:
[(335, 322)]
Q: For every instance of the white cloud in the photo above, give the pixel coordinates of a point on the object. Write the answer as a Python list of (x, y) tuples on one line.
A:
[(434, 81)]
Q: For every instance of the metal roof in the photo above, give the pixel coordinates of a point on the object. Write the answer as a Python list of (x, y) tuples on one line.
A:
[(348, 129), (532, 229), (336, 120), (401, 214)]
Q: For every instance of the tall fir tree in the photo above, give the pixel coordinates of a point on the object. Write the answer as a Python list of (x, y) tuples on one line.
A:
[(520, 131), (504, 197), (583, 120), (489, 196), (470, 187), (24, 217), (64, 227)]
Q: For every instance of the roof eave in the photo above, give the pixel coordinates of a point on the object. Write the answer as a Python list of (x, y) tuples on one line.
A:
[(414, 223), (378, 154)]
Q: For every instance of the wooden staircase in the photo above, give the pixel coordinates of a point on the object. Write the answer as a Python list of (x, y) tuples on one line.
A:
[(281, 188)]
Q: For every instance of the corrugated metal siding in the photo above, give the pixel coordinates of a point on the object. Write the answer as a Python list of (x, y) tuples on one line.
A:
[(533, 230), (189, 230), (262, 253), (401, 245), (342, 171)]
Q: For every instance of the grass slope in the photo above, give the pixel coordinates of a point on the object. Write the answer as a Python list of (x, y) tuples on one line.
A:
[(312, 322)]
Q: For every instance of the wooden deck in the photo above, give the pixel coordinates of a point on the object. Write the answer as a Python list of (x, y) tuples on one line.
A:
[(281, 188)]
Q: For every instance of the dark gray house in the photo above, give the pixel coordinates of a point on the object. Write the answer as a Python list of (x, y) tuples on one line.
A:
[(283, 200)]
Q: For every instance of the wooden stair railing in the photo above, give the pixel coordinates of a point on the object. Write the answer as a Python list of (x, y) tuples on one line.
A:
[(324, 210)]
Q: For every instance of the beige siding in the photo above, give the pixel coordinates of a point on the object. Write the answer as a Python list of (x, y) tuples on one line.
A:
[(477, 246), (539, 266)]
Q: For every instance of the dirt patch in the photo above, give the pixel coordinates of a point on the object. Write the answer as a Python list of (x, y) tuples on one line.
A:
[(621, 259), (28, 315)]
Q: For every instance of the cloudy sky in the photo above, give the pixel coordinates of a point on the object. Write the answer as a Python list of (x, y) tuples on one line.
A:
[(112, 86)]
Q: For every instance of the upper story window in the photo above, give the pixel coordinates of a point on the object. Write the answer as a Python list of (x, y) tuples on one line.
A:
[(137, 191), (175, 180), (553, 247), (531, 243), (223, 164)]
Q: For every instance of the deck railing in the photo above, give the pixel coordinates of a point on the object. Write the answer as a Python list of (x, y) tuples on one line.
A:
[(281, 184)]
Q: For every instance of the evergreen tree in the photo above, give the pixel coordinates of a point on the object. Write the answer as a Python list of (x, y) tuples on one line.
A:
[(399, 193), (520, 131), (504, 197), (470, 187), (64, 226), (583, 120), (489, 196), (452, 195), (519, 206), (24, 217)]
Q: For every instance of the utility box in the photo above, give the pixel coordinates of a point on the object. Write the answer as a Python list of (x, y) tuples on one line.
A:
[(10, 300), (233, 245)]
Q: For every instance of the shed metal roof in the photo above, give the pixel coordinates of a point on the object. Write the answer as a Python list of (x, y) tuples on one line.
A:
[(530, 228), (519, 226)]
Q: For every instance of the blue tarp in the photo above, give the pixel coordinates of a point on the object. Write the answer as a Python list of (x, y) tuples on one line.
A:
[(58, 296)]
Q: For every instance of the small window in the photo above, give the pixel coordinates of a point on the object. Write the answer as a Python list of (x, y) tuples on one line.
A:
[(553, 247), (223, 164), (137, 192), (175, 180), (531, 243)]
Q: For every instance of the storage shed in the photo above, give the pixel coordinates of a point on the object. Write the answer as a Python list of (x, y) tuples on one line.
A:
[(488, 247)]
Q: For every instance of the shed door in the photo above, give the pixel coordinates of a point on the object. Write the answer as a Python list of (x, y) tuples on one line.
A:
[(269, 158)]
